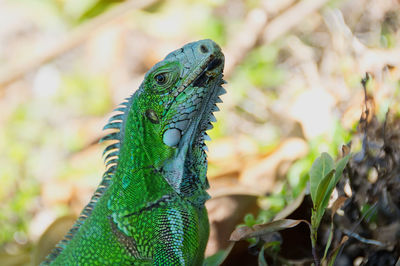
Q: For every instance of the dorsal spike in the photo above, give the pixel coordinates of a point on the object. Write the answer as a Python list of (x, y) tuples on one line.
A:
[(111, 170), (221, 91), (111, 136), (111, 155), (111, 160), (120, 109), (116, 117), (116, 125), (124, 104), (111, 147)]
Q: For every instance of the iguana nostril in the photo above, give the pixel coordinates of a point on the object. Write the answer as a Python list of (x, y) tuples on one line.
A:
[(203, 49)]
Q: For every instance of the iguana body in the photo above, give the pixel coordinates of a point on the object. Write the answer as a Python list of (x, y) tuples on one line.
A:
[(149, 207)]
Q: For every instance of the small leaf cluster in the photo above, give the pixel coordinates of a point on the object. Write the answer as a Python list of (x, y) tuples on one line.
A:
[(324, 175)]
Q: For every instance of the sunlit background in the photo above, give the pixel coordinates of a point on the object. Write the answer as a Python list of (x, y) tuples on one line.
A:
[(293, 70)]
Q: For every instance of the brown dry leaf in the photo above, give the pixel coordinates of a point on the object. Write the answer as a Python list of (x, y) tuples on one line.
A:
[(346, 149), (337, 204), (229, 185), (289, 209), (224, 214), (262, 174), (262, 229), (336, 250), (241, 233), (53, 234), (227, 155), (277, 225)]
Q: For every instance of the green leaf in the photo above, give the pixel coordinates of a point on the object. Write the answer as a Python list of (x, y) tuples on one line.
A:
[(323, 190), (261, 258), (328, 243), (249, 219), (319, 169), (341, 164), (322, 193)]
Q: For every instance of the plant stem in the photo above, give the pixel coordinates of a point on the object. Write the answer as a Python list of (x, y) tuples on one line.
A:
[(315, 255), (313, 236)]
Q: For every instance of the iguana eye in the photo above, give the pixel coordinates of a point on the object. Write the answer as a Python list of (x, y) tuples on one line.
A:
[(160, 78), (164, 77)]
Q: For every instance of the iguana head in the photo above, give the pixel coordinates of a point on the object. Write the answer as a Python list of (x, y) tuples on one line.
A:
[(176, 102)]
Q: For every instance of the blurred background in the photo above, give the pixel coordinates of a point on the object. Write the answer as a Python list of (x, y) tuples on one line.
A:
[(293, 70)]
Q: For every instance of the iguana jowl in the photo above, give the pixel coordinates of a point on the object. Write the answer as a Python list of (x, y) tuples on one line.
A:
[(149, 207)]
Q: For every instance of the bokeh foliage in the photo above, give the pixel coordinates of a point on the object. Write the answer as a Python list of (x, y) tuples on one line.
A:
[(303, 85)]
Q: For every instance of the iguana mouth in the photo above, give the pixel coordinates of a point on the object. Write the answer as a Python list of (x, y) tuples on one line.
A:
[(207, 108)]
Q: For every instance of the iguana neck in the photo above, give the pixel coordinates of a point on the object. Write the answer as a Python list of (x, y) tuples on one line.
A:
[(138, 152)]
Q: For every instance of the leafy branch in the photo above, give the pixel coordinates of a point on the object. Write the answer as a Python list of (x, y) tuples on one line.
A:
[(324, 175)]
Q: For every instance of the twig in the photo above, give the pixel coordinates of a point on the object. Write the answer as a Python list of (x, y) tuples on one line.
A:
[(290, 18), (257, 29), (367, 213), (363, 239), (313, 244), (247, 38), (71, 40), (364, 82), (243, 42)]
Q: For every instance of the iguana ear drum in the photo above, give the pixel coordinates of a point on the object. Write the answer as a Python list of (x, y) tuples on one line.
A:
[(152, 116), (172, 137)]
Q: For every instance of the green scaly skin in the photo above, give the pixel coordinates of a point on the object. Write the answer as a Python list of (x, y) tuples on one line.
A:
[(149, 208)]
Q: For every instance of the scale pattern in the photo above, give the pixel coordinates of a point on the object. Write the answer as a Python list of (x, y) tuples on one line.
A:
[(149, 207)]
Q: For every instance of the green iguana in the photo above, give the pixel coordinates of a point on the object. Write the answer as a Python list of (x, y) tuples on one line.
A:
[(149, 207)]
